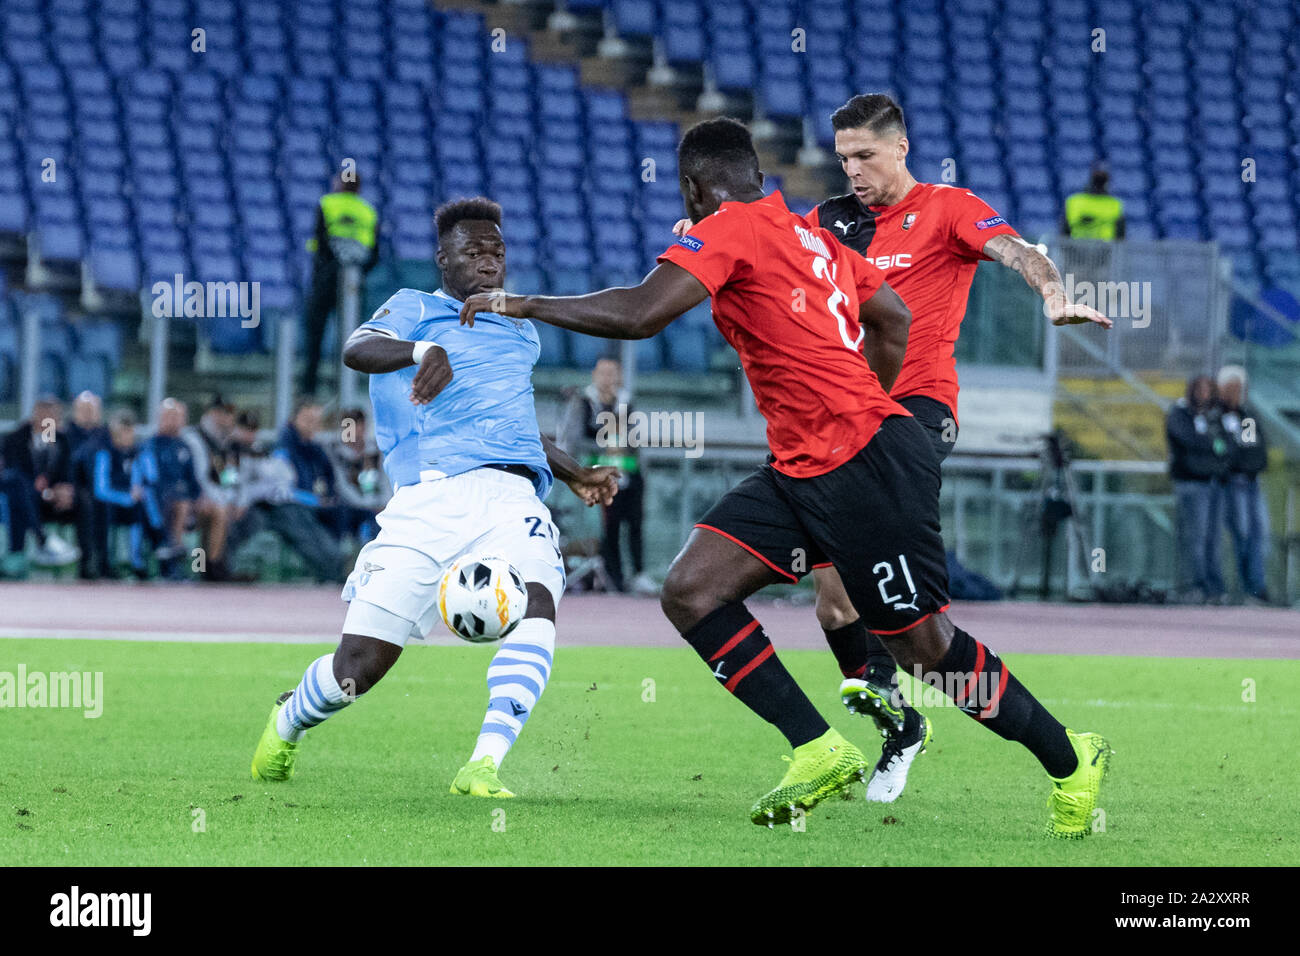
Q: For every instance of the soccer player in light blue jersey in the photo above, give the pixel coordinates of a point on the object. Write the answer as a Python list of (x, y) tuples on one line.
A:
[(455, 421)]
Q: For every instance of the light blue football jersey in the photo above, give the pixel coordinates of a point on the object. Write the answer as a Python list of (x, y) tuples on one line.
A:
[(484, 416)]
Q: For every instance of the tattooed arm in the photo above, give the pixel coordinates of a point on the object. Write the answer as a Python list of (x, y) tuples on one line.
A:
[(1041, 274)]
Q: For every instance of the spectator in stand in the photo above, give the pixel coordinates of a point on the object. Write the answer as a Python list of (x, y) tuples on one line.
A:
[(359, 477), (1198, 460), (86, 434), (308, 519), (1241, 498), (119, 499), (87, 422), (216, 466), (263, 483), (35, 478), (165, 471), (597, 409), (1094, 213), (347, 231)]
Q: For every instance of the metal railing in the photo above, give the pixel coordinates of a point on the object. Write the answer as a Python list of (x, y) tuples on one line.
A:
[(1170, 300)]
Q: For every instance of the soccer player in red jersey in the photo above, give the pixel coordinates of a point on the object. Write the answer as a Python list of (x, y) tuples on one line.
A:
[(928, 238), (852, 479)]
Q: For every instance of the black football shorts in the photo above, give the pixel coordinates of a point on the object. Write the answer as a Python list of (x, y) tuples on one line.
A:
[(937, 419), (875, 518)]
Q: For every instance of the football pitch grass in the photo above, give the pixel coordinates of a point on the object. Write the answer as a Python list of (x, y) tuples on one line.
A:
[(635, 756)]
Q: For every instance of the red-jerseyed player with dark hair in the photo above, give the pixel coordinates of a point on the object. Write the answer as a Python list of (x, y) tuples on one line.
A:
[(928, 238), (852, 479)]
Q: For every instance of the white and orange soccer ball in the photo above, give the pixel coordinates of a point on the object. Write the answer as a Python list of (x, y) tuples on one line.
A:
[(482, 599)]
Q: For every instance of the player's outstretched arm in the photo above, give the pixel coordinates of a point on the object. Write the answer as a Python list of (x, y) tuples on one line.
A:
[(624, 313), (885, 321), (595, 486), (1042, 275)]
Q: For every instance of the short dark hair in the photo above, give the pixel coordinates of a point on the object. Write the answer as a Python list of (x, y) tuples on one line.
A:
[(874, 111), (718, 151), (459, 210)]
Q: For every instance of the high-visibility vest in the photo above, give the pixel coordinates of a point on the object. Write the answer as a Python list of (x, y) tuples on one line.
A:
[(348, 216), (1093, 215)]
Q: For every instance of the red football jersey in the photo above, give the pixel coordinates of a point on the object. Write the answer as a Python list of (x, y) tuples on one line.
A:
[(928, 245), (786, 297)]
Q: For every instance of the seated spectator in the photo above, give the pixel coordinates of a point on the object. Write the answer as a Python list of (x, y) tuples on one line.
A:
[(1241, 497), (296, 492), (86, 434), (1198, 458), (87, 422), (363, 487), (216, 466), (35, 479), (165, 468), (119, 499)]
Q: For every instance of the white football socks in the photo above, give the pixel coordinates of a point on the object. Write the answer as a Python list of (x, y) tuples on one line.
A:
[(316, 698), (515, 678)]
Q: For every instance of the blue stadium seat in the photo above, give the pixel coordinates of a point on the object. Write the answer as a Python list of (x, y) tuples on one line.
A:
[(733, 69), (101, 338), (554, 342), (88, 373), (585, 350), (227, 335), (14, 213), (635, 17), (688, 347), (115, 268), (162, 264), (60, 241), (384, 81)]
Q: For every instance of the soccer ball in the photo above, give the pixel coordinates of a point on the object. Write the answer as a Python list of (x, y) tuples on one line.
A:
[(482, 599)]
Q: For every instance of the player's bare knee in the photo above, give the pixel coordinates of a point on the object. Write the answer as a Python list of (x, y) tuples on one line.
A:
[(686, 597), (360, 662), (540, 602)]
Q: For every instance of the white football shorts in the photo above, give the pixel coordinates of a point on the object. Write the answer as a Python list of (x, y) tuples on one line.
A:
[(392, 592)]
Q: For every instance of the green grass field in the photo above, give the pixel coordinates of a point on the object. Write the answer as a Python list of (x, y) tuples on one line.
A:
[(607, 777)]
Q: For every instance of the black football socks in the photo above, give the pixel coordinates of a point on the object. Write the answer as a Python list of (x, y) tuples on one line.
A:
[(863, 655), (984, 688), (743, 660)]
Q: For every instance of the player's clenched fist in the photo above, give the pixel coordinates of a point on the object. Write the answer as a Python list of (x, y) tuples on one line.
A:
[(433, 376), (595, 486), (497, 300)]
